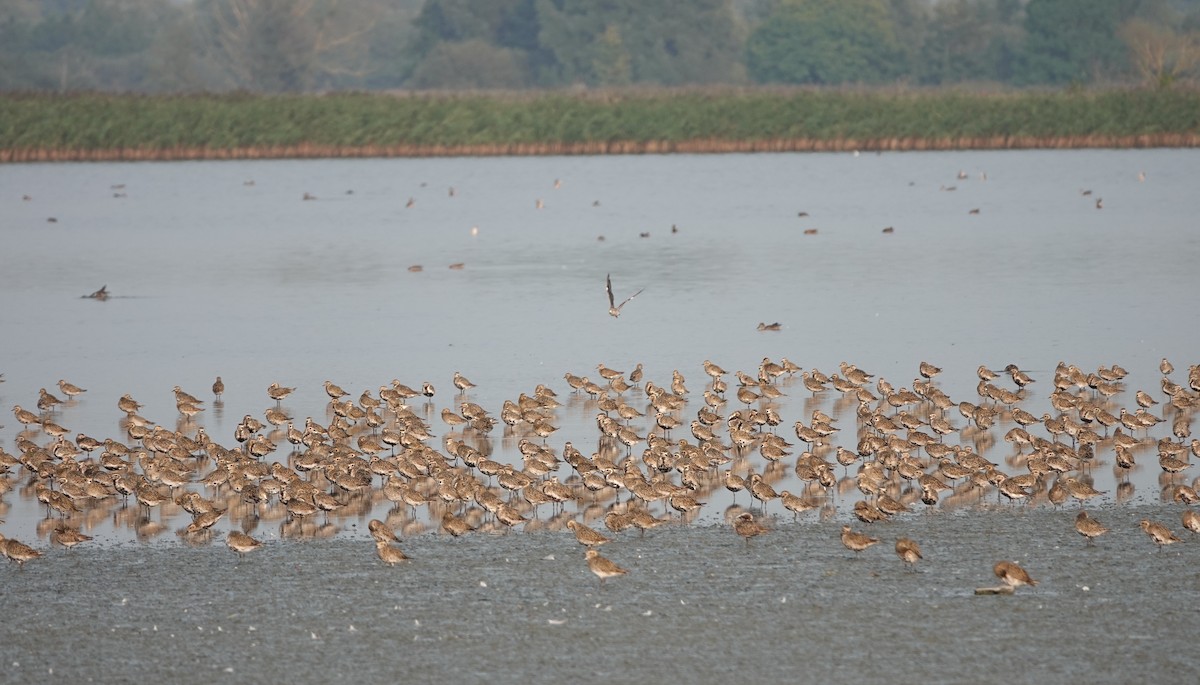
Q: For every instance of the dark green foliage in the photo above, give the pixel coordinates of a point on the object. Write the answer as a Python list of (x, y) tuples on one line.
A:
[(825, 42), (970, 40), (326, 45), (1073, 41)]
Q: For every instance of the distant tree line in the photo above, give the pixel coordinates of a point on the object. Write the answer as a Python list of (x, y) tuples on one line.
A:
[(181, 46)]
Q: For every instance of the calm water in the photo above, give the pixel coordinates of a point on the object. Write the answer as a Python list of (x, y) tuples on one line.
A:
[(212, 275)]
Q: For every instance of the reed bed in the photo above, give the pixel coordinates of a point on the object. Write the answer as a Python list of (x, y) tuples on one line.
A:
[(37, 127)]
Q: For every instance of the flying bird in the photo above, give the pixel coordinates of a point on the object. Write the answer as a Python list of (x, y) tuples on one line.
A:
[(614, 309)]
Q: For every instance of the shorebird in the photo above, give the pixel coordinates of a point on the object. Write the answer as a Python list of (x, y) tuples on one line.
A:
[(17, 551), (455, 525), (1170, 465), (277, 392), (25, 417), (451, 419), (713, 371), (855, 541), (684, 504), (218, 387), (204, 521), (188, 409), (389, 553), (644, 521), (1161, 535), (47, 401), (1088, 527), (241, 543), (746, 396), (461, 382), (70, 389), (586, 536), (1182, 493), (67, 536), (1191, 520), (614, 310), (761, 490), (576, 383), (747, 527), (1057, 494), (602, 567), (908, 551), (770, 326), (1018, 376), (1144, 399), (733, 482), (182, 395), (1080, 491), (334, 391), (381, 531), (128, 405), (868, 513), (252, 424), (617, 522), (635, 376), (275, 417), (1012, 575), (812, 382), (509, 516), (795, 503)]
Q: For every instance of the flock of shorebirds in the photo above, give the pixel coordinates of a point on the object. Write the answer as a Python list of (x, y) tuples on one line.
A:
[(907, 452)]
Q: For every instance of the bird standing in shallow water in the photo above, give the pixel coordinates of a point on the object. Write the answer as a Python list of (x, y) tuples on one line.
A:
[(614, 309), (461, 382), (277, 392), (587, 536), (67, 536), (70, 389), (381, 531)]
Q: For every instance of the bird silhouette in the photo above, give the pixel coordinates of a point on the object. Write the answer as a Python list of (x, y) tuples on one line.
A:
[(614, 309)]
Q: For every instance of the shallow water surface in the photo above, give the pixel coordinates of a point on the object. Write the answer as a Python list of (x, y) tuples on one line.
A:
[(223, 269)]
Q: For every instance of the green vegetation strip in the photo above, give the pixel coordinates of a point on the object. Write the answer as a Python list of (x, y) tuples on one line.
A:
[(44, 127)]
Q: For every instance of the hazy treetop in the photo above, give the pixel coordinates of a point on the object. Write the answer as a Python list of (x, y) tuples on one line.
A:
[(321, 45)]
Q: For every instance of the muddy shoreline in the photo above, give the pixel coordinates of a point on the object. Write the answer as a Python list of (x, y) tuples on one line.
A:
[(601, 147)]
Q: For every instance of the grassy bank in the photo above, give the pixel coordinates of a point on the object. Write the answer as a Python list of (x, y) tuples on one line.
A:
[(42, 127)]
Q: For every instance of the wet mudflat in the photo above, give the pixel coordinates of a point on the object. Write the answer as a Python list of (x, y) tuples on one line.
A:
[(696, 604)]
